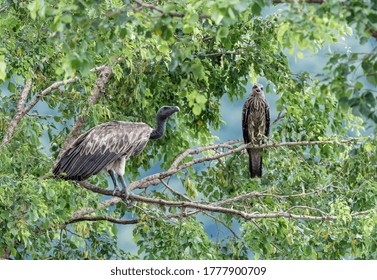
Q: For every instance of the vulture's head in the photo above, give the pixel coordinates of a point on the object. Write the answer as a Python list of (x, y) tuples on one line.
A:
[(258, 89), (166, 111)]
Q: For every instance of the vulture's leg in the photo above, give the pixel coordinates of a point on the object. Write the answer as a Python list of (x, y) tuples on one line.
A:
[(112, 174), (124, 187)]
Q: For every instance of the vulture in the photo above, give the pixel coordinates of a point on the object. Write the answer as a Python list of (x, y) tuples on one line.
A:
[(255, 126), (107, 146)]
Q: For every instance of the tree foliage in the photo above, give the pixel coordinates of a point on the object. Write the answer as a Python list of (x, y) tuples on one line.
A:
[(189, 53)]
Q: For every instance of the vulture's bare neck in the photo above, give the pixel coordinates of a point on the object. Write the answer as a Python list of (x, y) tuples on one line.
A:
[(159, 130)]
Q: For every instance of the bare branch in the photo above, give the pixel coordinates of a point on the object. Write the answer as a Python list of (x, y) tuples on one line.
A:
[(307, 1), (115, 200), (204, 213), (222, 223), (279, 117), (22, 110), (149, 6), (366, 212), (236, 52), (203, 207), (103, 205), (307, 208), (48, 90), (103, 77), (195, 151), (19, 114), (102, 218), (174, 191), (56, 85)]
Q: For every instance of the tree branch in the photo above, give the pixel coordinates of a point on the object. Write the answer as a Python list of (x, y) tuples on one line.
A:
[(2, 9), (19, 114), (222, 223), (366, 212), (99, 88), (236, 52), (280, 116), (155, 178), (307, 1), (48, 90), (204, 207), (307, 208), (102, 218), (195, 151), (175, 192), (103, 204), (22, 110), (207, 206)]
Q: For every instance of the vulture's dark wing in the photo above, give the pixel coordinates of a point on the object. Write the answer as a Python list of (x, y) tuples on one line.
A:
[(267, 115), (101, 146), (246, 110)]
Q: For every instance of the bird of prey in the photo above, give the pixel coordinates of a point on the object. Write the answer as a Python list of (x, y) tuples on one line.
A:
[(107, 147), (255, 126)]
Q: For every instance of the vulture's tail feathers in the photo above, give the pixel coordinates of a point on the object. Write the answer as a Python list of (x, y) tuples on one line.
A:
[(255, 163)]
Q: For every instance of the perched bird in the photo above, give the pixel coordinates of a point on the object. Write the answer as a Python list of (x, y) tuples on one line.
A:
[(107, 147), (255, 126)]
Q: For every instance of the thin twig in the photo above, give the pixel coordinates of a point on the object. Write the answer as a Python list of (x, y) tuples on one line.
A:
[(174, 191), (222, 223), (307, 208), (279, 117)]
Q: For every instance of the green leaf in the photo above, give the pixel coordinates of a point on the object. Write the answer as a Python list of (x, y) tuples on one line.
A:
[(198, 70), (222, 33), (197, 109), (372, 78), (201, 99), (3, 68), (33, 8)]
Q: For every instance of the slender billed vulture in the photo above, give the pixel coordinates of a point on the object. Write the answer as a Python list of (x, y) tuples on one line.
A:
[(107, 147), (255, 126)]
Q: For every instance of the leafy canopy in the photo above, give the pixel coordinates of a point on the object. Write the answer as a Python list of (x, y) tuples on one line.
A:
[(191, 54)]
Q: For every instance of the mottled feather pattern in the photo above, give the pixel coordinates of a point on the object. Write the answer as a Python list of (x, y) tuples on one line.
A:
[(255, 126), (101, 147), (116, 137)]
